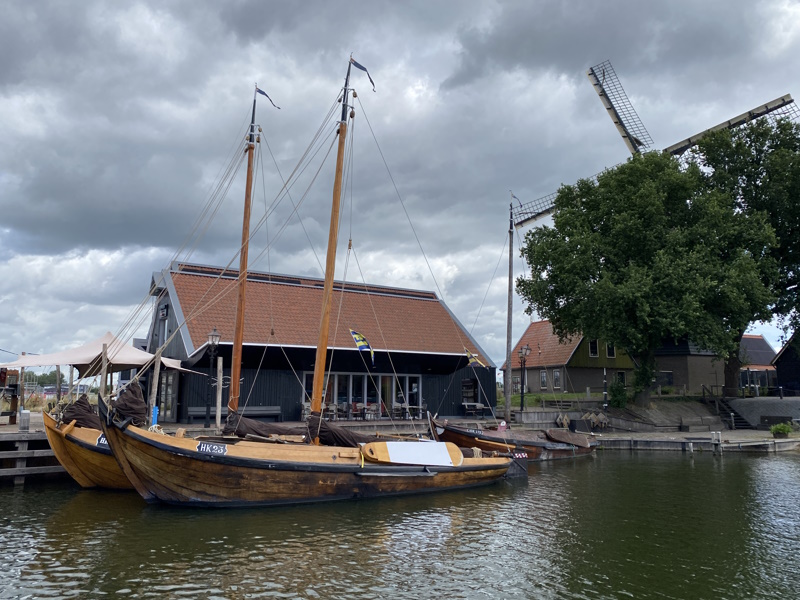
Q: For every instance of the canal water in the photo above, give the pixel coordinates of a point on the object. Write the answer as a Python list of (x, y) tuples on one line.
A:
[(617, 525)]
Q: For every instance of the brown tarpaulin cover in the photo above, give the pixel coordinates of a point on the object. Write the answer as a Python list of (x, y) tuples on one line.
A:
[(329, 434), (130, 403), (241, 426), (81, 412), (336, 435)]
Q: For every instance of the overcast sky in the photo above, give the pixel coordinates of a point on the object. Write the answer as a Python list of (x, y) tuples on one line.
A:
[(116, 117)]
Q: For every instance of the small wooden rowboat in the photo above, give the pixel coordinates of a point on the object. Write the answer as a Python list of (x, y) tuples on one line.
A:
[(552, 444), (85, 455)]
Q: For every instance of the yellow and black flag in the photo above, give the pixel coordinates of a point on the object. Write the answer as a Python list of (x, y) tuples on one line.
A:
[(363, 344), (473, 360)]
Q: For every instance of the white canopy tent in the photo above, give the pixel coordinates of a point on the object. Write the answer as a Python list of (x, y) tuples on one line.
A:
[(88, 358)]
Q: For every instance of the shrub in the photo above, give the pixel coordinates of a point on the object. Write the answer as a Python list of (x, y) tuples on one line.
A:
[(617, 396), (781, 428)]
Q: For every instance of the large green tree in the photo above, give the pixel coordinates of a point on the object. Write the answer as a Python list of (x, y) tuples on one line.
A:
[(648, 253), (758, 165)]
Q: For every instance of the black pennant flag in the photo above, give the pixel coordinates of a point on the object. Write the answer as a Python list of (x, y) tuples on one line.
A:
[(263, 93), (363, 68)]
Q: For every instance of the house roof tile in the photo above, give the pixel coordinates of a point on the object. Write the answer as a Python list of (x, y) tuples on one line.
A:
[(546, 349), (755, 350), (287, 310)]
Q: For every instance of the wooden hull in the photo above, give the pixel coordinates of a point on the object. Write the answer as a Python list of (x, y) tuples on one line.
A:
[(84, 455), (185, 471), (507, 442)]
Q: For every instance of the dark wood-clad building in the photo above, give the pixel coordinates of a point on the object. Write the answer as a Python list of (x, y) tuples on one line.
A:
[(419, 346), (787, 365)]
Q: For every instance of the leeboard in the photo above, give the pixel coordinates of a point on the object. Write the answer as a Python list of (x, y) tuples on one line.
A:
[(435, 454)]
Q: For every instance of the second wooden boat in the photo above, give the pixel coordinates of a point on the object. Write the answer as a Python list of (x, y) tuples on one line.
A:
[(552, 444), (85, 455)]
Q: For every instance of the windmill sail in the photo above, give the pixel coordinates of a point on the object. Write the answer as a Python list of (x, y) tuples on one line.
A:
[(607, 85)]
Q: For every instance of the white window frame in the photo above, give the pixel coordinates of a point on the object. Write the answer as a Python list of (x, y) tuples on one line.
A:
[(596, 348), (543, 379), (556, 379), (613, 353)]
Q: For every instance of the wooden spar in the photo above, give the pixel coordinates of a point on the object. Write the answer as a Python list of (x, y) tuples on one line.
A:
[(151, 399), (327, 292), (219, 395), (330, 263), (507, 375), (21, 405), (238, 332), (104, 372)]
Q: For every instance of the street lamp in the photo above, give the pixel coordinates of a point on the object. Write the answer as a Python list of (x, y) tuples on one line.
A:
[(213, 342), (523, 356)]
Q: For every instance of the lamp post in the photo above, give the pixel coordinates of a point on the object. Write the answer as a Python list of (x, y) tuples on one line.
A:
[(523, 356), (213, 342)]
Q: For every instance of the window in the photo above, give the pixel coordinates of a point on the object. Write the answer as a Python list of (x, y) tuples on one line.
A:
[(556, 379), (621, 377), (611, 352), (593, 349), (543, 379), (168, 396)]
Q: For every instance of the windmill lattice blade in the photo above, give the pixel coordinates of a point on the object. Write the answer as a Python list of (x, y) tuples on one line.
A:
[(541, 207), (630, 126), (536, 209), (783, 107)]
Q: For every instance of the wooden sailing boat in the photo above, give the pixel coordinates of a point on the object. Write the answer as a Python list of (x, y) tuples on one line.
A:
[(236, 472), (85, 455), (552, 444), (78, 443)]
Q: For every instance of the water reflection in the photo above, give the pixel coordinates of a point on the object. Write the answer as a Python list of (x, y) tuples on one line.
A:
[(618, 525)]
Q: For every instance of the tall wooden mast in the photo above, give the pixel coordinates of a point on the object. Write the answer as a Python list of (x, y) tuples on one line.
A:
[(238, 332), (333, 237)]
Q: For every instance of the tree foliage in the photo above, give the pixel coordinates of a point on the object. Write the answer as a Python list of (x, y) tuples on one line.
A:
[(758, 165), (647, 253), (50, 378)]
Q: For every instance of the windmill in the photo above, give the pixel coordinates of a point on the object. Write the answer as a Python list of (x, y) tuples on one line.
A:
[(608, 87)]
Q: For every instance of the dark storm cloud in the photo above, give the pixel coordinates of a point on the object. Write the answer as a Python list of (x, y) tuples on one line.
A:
[(117, 118), (541, 36)]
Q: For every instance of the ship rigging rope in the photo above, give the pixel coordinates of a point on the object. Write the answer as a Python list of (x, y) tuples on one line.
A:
[(385, 345), (137, 316), (305, 161), (201, 307), (458, 331), (223, 185), (491, 279), (408, 218)]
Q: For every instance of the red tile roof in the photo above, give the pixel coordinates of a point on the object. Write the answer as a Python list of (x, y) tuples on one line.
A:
[(546, 350), (287, 310)]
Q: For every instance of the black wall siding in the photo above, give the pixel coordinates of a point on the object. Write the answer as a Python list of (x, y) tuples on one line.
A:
[(442, 393), (272, 388)]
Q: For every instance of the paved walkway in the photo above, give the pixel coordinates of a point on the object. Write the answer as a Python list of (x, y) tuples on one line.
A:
[(728, 436)]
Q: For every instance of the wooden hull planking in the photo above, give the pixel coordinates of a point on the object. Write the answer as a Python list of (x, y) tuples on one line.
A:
[(172, 470), (85, 458), (487, 442)]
